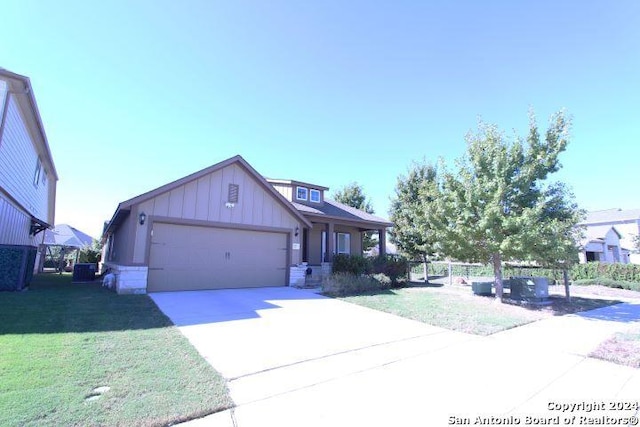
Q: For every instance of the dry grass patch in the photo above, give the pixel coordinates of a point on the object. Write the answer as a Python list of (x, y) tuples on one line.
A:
[(623, 348)]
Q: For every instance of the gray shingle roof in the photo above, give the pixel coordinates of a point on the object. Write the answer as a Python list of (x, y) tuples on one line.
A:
[(611, 215), (65, 235), (334, 209)]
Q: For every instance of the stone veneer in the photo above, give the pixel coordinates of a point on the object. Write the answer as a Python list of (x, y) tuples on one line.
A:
[(130, 279), (297, 275)]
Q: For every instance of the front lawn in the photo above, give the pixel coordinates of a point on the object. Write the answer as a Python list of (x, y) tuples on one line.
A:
[(623, 348), (456, 308), (80, 355)]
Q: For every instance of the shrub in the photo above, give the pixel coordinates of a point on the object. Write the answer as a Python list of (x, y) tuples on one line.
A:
[(616, 272), (603, 281), (392, 266), (342, 284), (351, 264)]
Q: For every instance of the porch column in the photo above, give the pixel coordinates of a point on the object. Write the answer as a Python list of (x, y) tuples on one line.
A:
[(382, 240), (329, 243)]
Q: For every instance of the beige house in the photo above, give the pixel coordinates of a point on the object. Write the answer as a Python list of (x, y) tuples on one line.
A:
[(28, 180), (227, 226), (602, 244), (626, 223)]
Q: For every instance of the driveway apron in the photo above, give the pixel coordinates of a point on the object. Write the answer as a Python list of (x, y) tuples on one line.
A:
[(295, 358)]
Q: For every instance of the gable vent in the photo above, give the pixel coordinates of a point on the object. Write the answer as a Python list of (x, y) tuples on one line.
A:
[(232, 197)]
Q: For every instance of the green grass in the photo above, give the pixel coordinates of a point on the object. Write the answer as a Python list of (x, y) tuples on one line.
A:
[(61, 341), (458, 309)]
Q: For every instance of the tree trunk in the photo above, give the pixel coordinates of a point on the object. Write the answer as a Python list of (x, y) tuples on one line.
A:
[(497, 272), (425, 260), (567, 292)]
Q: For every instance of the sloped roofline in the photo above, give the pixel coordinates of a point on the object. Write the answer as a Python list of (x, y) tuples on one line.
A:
[(293, 182), (124, 207), (28, 91)]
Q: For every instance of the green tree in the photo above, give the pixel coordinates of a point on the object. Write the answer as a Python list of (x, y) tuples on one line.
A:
[(411, 212), (497, 207), (91, 253), (353, 195)]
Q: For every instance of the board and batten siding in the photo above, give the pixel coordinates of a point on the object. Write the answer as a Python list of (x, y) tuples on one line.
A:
[(204, 200), (15, 225), (285, 190), (18, 160)]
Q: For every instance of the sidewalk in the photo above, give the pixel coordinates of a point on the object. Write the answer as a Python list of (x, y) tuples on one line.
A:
[(440, 379)]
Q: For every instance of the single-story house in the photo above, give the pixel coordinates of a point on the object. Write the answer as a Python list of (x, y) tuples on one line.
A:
[(27, 181), (626, 223), (602, 244), (227, 226)]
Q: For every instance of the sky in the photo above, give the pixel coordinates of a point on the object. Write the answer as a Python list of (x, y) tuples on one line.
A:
[(135, 94)]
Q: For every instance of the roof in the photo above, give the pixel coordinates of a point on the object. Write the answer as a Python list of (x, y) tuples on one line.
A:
[(28, 91), (612, 215), (594, 232), (65, 235), (336, 210), (125, 207)]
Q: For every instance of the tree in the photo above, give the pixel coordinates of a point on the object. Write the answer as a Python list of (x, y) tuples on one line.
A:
[(91, 253), (497, 207), (353, 195), (411, 213), (636, 243)]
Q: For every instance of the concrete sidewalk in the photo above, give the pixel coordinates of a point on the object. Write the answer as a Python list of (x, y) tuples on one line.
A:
[(437, 377)]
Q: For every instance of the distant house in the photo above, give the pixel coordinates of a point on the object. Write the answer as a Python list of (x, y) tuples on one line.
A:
[(27, 181), (602, 244), (626, 224), (227, 226), (61, 241)]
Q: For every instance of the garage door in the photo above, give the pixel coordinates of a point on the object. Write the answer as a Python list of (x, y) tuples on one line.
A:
[(184, 257)]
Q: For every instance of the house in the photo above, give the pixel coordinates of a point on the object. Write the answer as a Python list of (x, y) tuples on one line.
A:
[(27, 181), (626, 223), (228, 226), (602, 244), (61, 241)]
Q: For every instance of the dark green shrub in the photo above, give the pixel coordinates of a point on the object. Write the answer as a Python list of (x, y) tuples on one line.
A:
[(616, 272), (342, 284), (351, 264), (602, 281), (392, 266)]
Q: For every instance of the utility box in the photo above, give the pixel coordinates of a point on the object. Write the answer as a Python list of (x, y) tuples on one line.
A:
[(481, 288), (84, 272), (534, 289)]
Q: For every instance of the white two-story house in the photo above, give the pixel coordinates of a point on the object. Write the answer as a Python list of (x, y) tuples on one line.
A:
[(27, 181)]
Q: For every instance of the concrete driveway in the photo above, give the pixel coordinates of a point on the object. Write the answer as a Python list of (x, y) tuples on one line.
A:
[(295, 358)]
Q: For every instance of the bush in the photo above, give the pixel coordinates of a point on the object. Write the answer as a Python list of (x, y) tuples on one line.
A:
[(342, 284), (392, 266), (350, 264), (615, 272), (603, 281)]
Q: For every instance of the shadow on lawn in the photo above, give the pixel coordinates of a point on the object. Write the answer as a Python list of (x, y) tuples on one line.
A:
[(52, 304), (559, 306)]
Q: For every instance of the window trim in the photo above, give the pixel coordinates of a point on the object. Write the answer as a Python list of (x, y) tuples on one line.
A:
[(37, 173), (306, 193), (312, 192), (348, 243)]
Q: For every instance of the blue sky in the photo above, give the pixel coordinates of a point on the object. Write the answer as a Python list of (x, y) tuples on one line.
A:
[(135, 94)]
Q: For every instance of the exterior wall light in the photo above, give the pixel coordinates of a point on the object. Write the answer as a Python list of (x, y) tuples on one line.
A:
[(297, 230), (142, 217)]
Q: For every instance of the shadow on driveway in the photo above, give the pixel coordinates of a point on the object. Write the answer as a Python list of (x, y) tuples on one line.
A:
[(199, 307), (624, 313)]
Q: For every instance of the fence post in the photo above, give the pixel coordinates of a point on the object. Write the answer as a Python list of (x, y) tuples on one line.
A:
[(450, 273)]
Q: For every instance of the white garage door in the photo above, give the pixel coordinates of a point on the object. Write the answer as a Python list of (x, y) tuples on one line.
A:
[(185, 257)]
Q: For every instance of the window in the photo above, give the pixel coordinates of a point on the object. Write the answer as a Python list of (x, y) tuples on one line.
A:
[(302, 193), (315, 196), (36, 175), (343, 243)]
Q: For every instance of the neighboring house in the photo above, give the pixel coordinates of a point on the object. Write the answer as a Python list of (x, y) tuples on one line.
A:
[(602, 244), (27, 181), (227, 226), (626, 223), (62, 240)]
